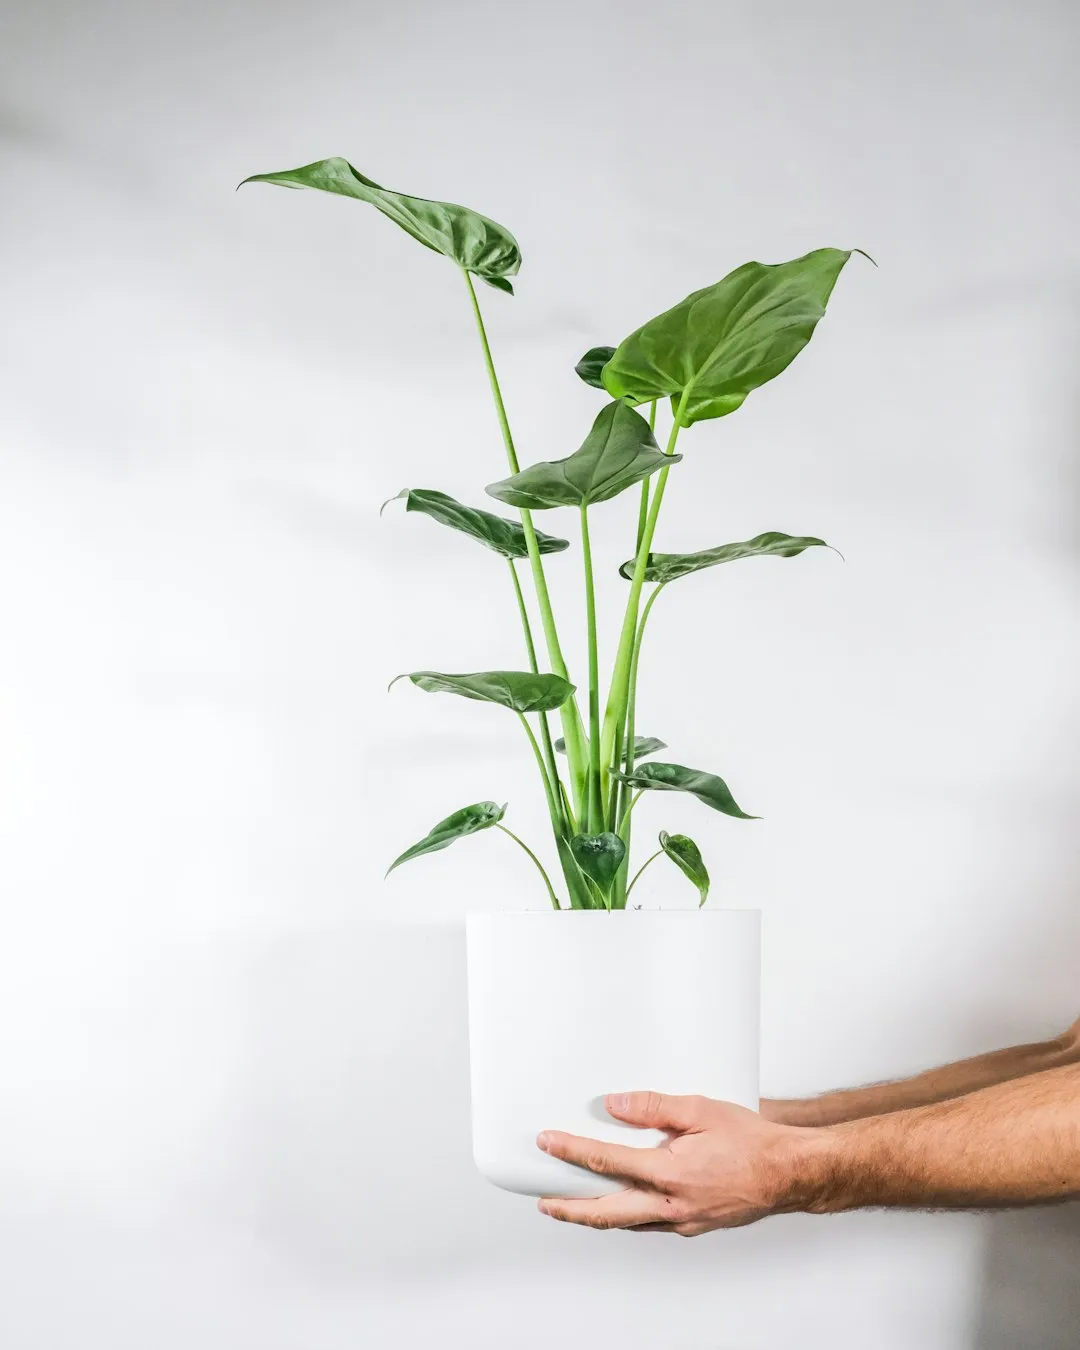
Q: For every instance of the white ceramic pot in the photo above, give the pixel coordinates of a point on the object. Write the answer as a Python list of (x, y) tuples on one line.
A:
[(566, 1007)]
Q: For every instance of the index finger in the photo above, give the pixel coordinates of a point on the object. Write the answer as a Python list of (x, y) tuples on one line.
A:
[(611, 1160)]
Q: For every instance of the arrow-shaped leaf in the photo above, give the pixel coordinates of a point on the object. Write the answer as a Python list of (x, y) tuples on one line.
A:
[(474, 242), (643, 745), (709, 351), (470, 819), (592, 363), (619, 451), (686, 856), (706, 787), (506, 537), (519, 690), (599, 856), (664, 567)]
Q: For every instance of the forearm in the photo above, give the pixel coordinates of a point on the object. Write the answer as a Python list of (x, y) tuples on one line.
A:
[(1014, 1144), (925, 1089)]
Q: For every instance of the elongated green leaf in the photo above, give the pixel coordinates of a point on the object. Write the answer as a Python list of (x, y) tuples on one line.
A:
[(582, 895), (718, 344), (470, 819), (592, 363), (643, 745), (664, 567), (504, 536), (519, 690), (618, 452), (599, 856), (474, 242), (686, 856), (706, 787)]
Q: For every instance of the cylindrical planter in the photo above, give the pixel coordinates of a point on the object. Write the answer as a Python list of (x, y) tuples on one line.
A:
[(567, 1007)]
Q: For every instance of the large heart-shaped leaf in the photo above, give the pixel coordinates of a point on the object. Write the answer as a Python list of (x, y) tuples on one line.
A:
[(706, 787), (470, 819), (591, 365), (618, 452), (474, 242), (504, 536), (718, 344), (643, 745), (599, 856), (516, 689), (686, 856), (664, 567)]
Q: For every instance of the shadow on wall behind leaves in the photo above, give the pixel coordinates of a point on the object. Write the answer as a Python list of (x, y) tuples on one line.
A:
[(1031, 1275), (1031, 1298)]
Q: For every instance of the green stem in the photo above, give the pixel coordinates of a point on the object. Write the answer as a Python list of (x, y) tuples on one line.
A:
[(640, 869), (631, 699), (643, 507), (626, 814), (573, 730), (571, 819), (530, 647), (554, 804), (536, 860), (596, 790), (620, 680)]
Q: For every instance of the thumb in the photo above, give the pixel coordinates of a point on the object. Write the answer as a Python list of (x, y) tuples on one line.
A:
[(656, 1111)]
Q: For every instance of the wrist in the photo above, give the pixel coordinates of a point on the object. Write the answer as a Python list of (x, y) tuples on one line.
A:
[(805, 1169), (799, 1111)]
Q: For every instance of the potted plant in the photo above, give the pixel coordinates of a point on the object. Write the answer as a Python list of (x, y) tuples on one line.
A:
[(551, 1023)]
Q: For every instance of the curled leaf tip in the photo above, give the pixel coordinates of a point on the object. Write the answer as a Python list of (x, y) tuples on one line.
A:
[(395, 498), (863, 254), (403, 676)]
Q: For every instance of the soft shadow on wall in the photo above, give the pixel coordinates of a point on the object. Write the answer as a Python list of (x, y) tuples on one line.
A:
[(1030, 1297)]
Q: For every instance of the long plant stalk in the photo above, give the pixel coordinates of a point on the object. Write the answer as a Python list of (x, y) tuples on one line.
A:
[(596, 786), (624, 823), (631, 698), (542, 869), (652, 858), (573, 731), (615, 712), (553, 801), (643, 504), (530, 647)]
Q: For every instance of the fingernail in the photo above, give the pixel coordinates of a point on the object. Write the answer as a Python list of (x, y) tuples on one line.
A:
[(543, 1141), (542, 1207), (618, 1102)]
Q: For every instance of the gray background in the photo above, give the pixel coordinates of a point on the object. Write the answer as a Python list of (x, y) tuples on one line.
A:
[(232, 1103)]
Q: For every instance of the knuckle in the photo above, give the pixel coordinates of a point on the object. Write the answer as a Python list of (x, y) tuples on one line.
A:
[(676, 1210), (651, 1106), (597, 1162)]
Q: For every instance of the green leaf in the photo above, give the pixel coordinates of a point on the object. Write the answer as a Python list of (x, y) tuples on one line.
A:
[(519, 690), (664, 567), (619, 451), (582, 895), (686, 856), (718, 344), (474, 242), (470, 819), (506, 537), (706, 787), (592, 364), (643, 745), (599, 856)]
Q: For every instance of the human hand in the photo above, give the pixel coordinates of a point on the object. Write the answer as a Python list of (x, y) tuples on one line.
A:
[(722, 1167)]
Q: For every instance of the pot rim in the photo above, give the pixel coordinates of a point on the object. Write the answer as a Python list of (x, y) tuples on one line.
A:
[(553, 914)]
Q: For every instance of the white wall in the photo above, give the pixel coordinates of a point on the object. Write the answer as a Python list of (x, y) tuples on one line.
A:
[(232, 1106)]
